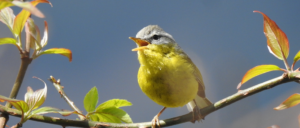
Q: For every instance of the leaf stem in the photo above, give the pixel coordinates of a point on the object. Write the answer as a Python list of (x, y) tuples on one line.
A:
[(25, 61)]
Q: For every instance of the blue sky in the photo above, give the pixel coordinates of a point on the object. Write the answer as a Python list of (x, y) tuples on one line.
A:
[(223, 38)]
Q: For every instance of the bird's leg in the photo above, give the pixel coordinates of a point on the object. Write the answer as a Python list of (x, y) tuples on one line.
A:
[(196, 113), (156, 120)]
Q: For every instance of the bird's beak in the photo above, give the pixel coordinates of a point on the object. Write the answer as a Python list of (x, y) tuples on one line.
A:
[(141, 43)]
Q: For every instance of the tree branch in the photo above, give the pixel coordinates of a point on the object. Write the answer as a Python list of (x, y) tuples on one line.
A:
[(59, 88), (25, 61), (292, 76)]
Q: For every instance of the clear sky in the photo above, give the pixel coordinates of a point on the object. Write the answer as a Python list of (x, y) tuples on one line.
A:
[(224, 38)]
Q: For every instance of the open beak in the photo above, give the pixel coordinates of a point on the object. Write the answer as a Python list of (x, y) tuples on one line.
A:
[(141, 43)]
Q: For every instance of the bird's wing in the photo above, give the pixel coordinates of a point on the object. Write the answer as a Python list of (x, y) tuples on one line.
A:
[(200, 99)]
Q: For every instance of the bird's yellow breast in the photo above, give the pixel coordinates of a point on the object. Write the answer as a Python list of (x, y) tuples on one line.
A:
[(166, 76)]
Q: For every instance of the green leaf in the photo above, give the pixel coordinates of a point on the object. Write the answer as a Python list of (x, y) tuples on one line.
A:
[(8, 40), (7, 16), (61, 51), (114, 103), (292, 101), (277, 41), (258, 70), (111, 115), (18, 104), (5, 3), (90, 100), (296, 58), (46, 110)]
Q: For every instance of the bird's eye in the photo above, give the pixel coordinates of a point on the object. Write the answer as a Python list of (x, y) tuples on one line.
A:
[(155, 37)]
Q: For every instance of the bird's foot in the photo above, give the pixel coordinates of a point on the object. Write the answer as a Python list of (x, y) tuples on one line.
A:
[(155, 121), (197, 116)]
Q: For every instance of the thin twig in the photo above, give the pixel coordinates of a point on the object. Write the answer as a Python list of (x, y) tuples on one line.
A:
[(59, 88), (293, 76)]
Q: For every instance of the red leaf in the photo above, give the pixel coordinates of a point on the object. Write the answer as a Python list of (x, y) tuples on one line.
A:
[(277, 41)]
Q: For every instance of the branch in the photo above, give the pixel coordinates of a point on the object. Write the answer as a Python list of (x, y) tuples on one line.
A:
[(293, 76), (59, 88), (25, 61)]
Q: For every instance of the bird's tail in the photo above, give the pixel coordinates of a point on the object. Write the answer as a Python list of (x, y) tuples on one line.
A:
[(200, 102)]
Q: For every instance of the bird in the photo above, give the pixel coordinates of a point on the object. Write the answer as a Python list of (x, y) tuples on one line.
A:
[(166, 74)]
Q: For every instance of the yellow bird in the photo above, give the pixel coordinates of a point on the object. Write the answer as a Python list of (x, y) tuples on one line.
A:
[(167, 75)]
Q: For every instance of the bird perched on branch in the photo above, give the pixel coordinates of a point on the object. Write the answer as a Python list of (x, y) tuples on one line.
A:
[(167, 75)]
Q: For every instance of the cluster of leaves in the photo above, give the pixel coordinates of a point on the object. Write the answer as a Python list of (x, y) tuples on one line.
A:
[(33, 36), (33, 100), (108, 111), (278, 46)]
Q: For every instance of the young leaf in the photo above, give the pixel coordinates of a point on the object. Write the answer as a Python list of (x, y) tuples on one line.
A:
[(21, 18), (292, 101), (7, 17), (113, 103), (18, 104), (277, 41), (28, 94), (112, 115), (29, 7), (45, 110), (296, 58), (34, 34), (8, 40), (36, 98), (61, 51), (90, 100), (44, 41), (258, 70), (5, 3)]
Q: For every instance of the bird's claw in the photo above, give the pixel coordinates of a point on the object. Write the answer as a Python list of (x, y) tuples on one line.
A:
[(155, 121), (196, 115)]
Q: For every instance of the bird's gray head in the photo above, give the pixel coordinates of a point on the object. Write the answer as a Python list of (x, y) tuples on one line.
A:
[(155, 35)]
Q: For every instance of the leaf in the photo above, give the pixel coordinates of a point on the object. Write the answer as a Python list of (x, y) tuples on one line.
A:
[(258, 70), (112, 115), (18, 104), (296, 58), (28, 94), (29, 7), (36, 98), (114, 103), (33, 32), (90, 100), (7, 16), (292, 101), (45, 110), (8, 40), (5, 3), (61, 51), (277, 41), (44, 41), (21, 18)]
